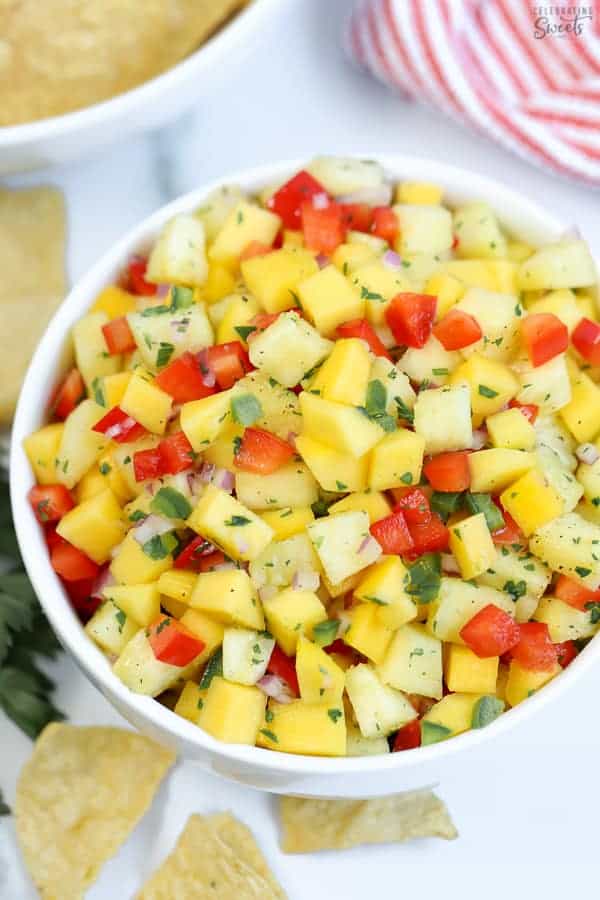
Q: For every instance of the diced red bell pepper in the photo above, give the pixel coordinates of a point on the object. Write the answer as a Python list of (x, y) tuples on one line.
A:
[(360, 328), (285, 668), (586, 340), (544, 336), (199, 556), (183, 380), (413, 503), (408, 737), (71, 564), (69, 393), (491, 632), (448, 471), (535, 649), (261, 322), (53, 538), (357, 216), (410, 317), (457, 329), (229, 362), (566, 652), (172, 643), (324, 229), (429, 537), (50, 502), (177, 453), (148, 464), (577, 596), (385, 224), (455, 242), (136, 280), (287, 201), (80, 595), (119, 427), (529, 410), (392, 533), (338, 646), (119, 336), (254, 248), (262, 452), (509, 533)]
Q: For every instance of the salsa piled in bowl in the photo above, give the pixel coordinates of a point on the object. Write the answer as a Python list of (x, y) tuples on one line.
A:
[(325, 475)]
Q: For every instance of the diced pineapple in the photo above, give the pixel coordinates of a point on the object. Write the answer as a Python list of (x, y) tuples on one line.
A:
[(236, 529), (397, 460), (223, 449), (229, 596), (79, 446), (94, 526), (292, 613), (566, 264), (493, 470), (442, 417), (357, 745), (400, 396), (288, 349), (492, 385), (111, 628), (340, 588), (139, 601), (423, 229), (366, 633), (472, 546), (448, 291), (114, 301), (532, 502), (498, 317), (132, 565), (379, 709), (146, 403), (413, 662), (457, 602), (232, 712), (349, 257), (291, 485), (42, 448), (547, 386), (179, 254), (517, 573), (450, 716), (519, 251), (329, 299), (384, 586), (478, 232), (342, 427), (522, 683), (374, 503), (315, 729), (561, 303), (280, 407), (273, 278), (344, 375), (240, 311), (206, 628), (178, 584), (565, 623), (589, 478), (288, 521), (343, 544), (219, 283), (217, 206), (246, 222), (281, 560), (91, 352), (140, 671), (465, 672), (569, 545), (582, 414), (344, 175), (292, 239), (421, 193), (376, 285), (504, 272), (511, 430), (333, 470), (551, 435), (113, 478), (431, 364), (320, 679), (471, 273), (245, 655), (190, 702)]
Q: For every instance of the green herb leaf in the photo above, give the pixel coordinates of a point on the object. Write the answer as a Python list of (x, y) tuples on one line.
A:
[(582, 571), (170, 503), (181, 297), (165, 352), (516, 589), (403, 411), (246, 409), (324, 633), (334, 714), (341, 486), (237, 521), (423, 579), (483, 503), (214, 666), (151, 311), (486, 710), (160, 545), (375, 406), (444, 503), (431, 732), (486, 391), (98, 392), (245, 330)]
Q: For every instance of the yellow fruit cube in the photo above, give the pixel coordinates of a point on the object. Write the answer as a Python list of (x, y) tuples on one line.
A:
[(471, 272), (378, 708), (465, 672), (293, 484), (442, 417), (320, 679), (384, 585), (206, 628), (532, 502), (422, 193), (227, 522), (111, 628), (179, 255), (448, 291), (348, 257), (561, 303), (41, 448), (511, 430), (232, 712), (413, 662), (113, 478), (492, 385), (146, 403), (452, 715), (518, 251), (178, 584), (569, 544), (79, 446), (377, 284), (366, 634), (493, 470), (203, 420), (582, 414), (292, 613), (342, 427), (565, 623), (307, 728), (273, 278), (504, 273), (341, 587), (94, 526), (374, 503), (240, 311), (292, 238), (397, 460), (229, 596), (92, 483), (344, 375), (522, 683), (115, 302), (457, 602), (244, 224), (343, 544), (114, 387), (333, 470), (288, 349), (472, 546), (91, 355), (132, 566), (140, 601), (328, 299), (190, 702), (589, 478), (219, 283), (288, 521)]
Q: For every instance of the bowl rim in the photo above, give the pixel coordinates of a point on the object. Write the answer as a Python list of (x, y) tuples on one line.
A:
[(517, 212), (127, 102)]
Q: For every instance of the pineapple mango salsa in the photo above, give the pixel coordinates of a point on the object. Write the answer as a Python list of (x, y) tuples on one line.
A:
[(324, 477)]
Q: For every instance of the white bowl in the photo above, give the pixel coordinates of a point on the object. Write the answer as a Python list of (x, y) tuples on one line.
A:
[(59, 139), (269, 770)]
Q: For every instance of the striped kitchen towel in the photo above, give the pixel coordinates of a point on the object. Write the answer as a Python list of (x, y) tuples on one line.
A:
[(524, 74)]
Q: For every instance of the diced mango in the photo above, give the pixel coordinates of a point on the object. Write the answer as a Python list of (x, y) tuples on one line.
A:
[(472, 546), (448, 291), (344, 375), (236, 529), (132, 566), (240, 311), (206, 628), (531, 501), (333, 470), (245, 223), (232, 712), (292, 613), (230, 597), (79, 446), (582, 414), (337, 425), (219, 283), (114, 387), (384, 586), (178, 584), (374, 503), (315, 729), (493, 470), (111, 628), (413, 662), (140, 601), (320, 679), (203, 420), (91, 356), (522, 683), (293, 484), (511, 430), (41, 448), (452, 715), (366, 634), (465, 672), (397, 460), (492, 385), (94, 526), (115, 302), (190, 702), (423, 193), (328, 299), (288, 521), (273, 278), (146, 403)]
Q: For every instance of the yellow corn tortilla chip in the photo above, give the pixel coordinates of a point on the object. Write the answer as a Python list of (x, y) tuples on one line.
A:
[(32, 249), (60, 55), (311, 825), (215, 856), (79, 797)]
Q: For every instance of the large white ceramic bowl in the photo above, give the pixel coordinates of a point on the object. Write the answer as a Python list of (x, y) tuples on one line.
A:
[(60, 139), (273, 771)]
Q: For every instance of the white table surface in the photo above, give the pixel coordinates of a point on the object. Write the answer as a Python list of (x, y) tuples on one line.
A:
[(526, 809)]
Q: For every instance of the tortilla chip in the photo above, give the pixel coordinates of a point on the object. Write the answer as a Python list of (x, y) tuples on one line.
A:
[(61, 55), (215, 856), (79, 797), (311, 825), (32, 247)]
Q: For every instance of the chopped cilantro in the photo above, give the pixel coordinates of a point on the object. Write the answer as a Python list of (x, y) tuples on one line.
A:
[(334, 714), (486, 391), (170, 503), (165, 352), (245, 330), (237, 521), (246, 409)]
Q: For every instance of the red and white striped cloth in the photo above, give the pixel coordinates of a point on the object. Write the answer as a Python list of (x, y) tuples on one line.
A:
[(480, 62)]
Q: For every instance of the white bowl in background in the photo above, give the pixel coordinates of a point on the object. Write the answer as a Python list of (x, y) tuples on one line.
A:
[(264, 769), (60, 139)]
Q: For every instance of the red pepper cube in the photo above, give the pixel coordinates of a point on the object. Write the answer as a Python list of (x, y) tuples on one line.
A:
[(357, 216), (529, 410), (183, 380), (385, 224), (287, 201), (71, 564), (577, 596), (262, 452), (410, 318), (172, 643), (392, 533), (457, 329), (586, 340), (70, 392), (324, 229), (148, 464), (177, 453), (430, 537), (196, 554), (119, 336), (566, 653), (491, 632), (119, 426), (136, 280), (448, 471), (363, 330), (544, 337), (50, 502), (535, 650), (408, 737), (229, 362), (285, 668), (414, 505)]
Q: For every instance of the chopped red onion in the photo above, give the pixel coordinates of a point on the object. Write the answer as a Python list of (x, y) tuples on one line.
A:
[(306, 580), (479, 439), (588, 454), (374, 195), (151, 526), (175, 410), (449, 564), (320, 201), (226, 566), (208, 375), (206, 472), (275, 687), (391, 259), (367, 542), (291, 438), (162, 290), (104, 579), (322, 260), (224, 479), (242, 546)]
